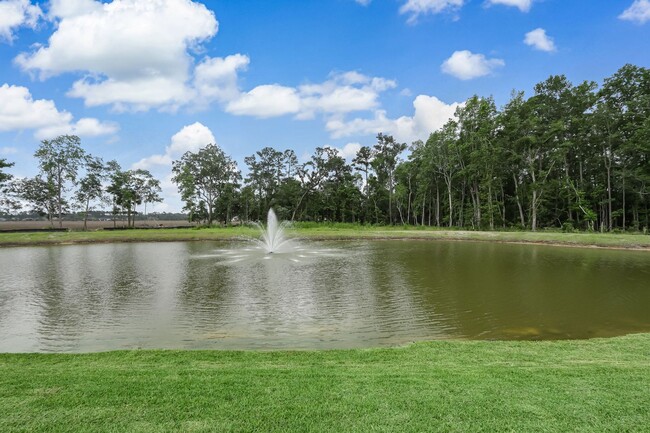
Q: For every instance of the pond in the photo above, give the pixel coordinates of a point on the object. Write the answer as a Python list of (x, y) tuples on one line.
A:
[(339, 294)]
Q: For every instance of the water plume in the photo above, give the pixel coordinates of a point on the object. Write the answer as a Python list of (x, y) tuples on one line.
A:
[(273, 239)]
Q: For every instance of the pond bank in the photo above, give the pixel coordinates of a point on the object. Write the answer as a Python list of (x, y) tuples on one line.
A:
[(596, 240), (589, 385)]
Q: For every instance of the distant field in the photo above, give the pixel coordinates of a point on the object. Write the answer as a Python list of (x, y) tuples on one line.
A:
[(92, 225)]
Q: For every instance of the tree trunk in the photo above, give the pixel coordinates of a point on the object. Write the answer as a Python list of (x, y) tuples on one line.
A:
[(521, 209), (533, 211), (490, 206), (623, 180), (390, 200), (437, 208), (86, 214), (60, 200), (451, 205), (461, 216), (609, 196), (424, 199)]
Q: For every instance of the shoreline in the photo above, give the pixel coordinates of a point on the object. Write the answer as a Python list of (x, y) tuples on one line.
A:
[(630, 242)]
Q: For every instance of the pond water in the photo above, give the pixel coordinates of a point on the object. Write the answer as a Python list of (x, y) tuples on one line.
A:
[(209, 295)]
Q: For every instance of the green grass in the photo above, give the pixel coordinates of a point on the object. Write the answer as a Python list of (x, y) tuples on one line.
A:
[(326, 231), (579, 386)]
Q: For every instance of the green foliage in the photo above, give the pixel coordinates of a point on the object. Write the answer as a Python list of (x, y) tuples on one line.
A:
[(6, 202), (208, 183), (4, 177), (569, 154), (41, 194), (131, 188), (59, 161)]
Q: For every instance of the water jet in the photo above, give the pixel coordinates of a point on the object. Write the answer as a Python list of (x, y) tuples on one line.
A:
[(273, 239)]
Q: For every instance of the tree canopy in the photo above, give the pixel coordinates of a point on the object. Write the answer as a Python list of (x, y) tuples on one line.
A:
[(569, 156)]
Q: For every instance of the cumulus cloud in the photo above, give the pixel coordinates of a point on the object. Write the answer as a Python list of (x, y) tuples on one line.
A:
[(638, 12), (348, 151), (342, 93), (17, 13), (19, 111), (539, 40), (84, 127), (135, 53), (190, 138), (415, 8), (72, 8), (215, 78), (268, 100), (522, 5), (430, 115), (466, 65)]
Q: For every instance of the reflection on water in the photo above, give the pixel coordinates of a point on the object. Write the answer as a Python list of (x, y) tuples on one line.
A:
[(315, 295)]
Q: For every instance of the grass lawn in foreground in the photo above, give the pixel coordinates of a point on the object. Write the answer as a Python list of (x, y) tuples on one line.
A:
[(598, 385), (325, 231)]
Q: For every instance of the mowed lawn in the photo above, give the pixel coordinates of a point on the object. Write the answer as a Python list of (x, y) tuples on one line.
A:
[(600, 385)]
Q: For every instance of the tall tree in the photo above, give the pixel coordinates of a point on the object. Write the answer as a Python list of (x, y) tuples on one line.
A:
[(622, 113), (202, 177), (442, 150), (90, 187), (363, 163), (59, 160), (131, 188), (477, 156), (386, 158), (266, 170), (40, 194)]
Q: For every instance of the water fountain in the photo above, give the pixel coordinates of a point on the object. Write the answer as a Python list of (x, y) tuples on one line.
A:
[(273, 239), (272, 245)]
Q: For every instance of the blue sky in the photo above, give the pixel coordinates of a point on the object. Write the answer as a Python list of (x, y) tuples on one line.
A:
[(142, 81)]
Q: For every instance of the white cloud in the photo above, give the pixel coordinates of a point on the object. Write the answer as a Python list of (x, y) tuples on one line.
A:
[(190, 138), (539, 40), (72, 8), (466, 65), (415, 8), (135, 53), (84, 127), (348, 151), (268, 100), (342, 93), (18, 111), (430, 115), (215, 78), (522, 5), (363, 2), (638, 12), (17, 13)]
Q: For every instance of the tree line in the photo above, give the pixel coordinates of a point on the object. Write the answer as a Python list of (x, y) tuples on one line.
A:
[(569, 156), (70, 179)]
